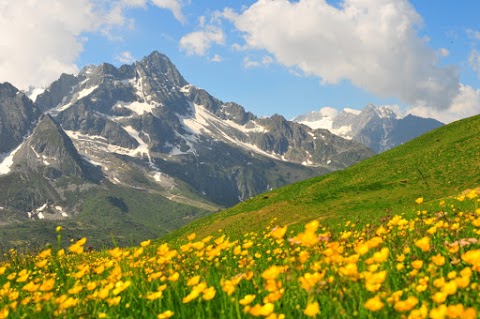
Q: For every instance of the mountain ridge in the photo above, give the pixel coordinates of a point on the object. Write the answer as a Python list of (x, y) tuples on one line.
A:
[(108, 134), (377, 127)]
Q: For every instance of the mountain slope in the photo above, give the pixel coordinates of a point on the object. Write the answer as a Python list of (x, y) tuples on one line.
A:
[(147, 113), (136, 151), (438, 164), (377, 127), (17, 117)]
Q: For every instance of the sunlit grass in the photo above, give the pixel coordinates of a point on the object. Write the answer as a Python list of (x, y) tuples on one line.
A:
[(423, 264)]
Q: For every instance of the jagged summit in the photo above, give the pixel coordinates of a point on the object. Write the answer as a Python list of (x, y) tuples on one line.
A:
[(377, 127)]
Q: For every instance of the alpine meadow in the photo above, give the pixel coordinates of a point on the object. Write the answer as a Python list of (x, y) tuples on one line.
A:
[(270, 159)]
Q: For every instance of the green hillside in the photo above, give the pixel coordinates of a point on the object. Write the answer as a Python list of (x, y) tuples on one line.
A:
[(438, 164)]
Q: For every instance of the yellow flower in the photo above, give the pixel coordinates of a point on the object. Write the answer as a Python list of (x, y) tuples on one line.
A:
[(153, 295), (455, 311), (450, 288), (246, 300), (264, 310), (191, 236), (209, 293), (45, 253), (373, 282), (381, 256), (361, 248), (114, 301), (381, 231), (419, 200), (438, 313), (438, 260), (58, 229), (145, 243), (406, 305), (193, 281), (272, 272), (312, 309), (165, 314), (41, 263), (174, 277), (439, 297), (417, 264), (278, 232), (374, 304), (423, 244)]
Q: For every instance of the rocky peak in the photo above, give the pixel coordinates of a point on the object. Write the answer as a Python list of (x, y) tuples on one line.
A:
[(18, 115), (160, 68), (50, 150)]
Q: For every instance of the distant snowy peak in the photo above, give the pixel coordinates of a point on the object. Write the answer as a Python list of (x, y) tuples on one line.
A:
[(378, 127)]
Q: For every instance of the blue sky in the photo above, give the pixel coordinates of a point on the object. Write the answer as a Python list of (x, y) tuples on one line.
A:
[(286, 57)]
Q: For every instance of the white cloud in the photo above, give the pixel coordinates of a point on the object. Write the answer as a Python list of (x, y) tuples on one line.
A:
[(248, 63), (465, 104), (266, 60), (39, 41), (216, 58), (473, 34), (474, 60), (374, 44), (125, 57), (173, 5), (328, 111), (199, 42), (443, 52)]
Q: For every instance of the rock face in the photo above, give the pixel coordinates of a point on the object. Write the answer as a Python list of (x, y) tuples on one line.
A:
[(148, 111), (18, 115), (51, 151), (144, 128), (378, 128)]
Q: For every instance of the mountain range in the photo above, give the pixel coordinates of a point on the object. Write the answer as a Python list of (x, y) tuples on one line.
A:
[(377, 127), (137, 151)]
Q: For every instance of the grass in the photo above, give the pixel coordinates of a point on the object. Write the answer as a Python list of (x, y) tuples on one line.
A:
[(438, 164), (422, 264)]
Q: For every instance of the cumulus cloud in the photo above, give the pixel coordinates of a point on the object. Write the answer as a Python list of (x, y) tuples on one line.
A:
[(199, 42), (173, 5), (372, 43), (465, 104), (38, 42)]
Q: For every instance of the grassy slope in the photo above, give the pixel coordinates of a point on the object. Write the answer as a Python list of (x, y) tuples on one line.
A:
[(126, 216), (438, 164)]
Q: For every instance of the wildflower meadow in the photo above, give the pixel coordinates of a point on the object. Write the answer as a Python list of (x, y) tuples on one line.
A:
[(420, 264)]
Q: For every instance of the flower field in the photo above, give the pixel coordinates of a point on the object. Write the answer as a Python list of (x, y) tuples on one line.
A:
[(422, 264)]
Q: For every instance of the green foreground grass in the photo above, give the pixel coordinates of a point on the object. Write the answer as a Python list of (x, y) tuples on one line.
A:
[(424, 264)]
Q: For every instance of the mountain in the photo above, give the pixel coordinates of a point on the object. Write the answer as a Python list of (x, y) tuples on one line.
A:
[(138, 150), (17, 117), (439, 164), (377, 127)]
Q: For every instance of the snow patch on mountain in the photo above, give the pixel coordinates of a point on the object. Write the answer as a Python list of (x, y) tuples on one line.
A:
[(138, 107), (142, 148), (77, 96), (6, 160)]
